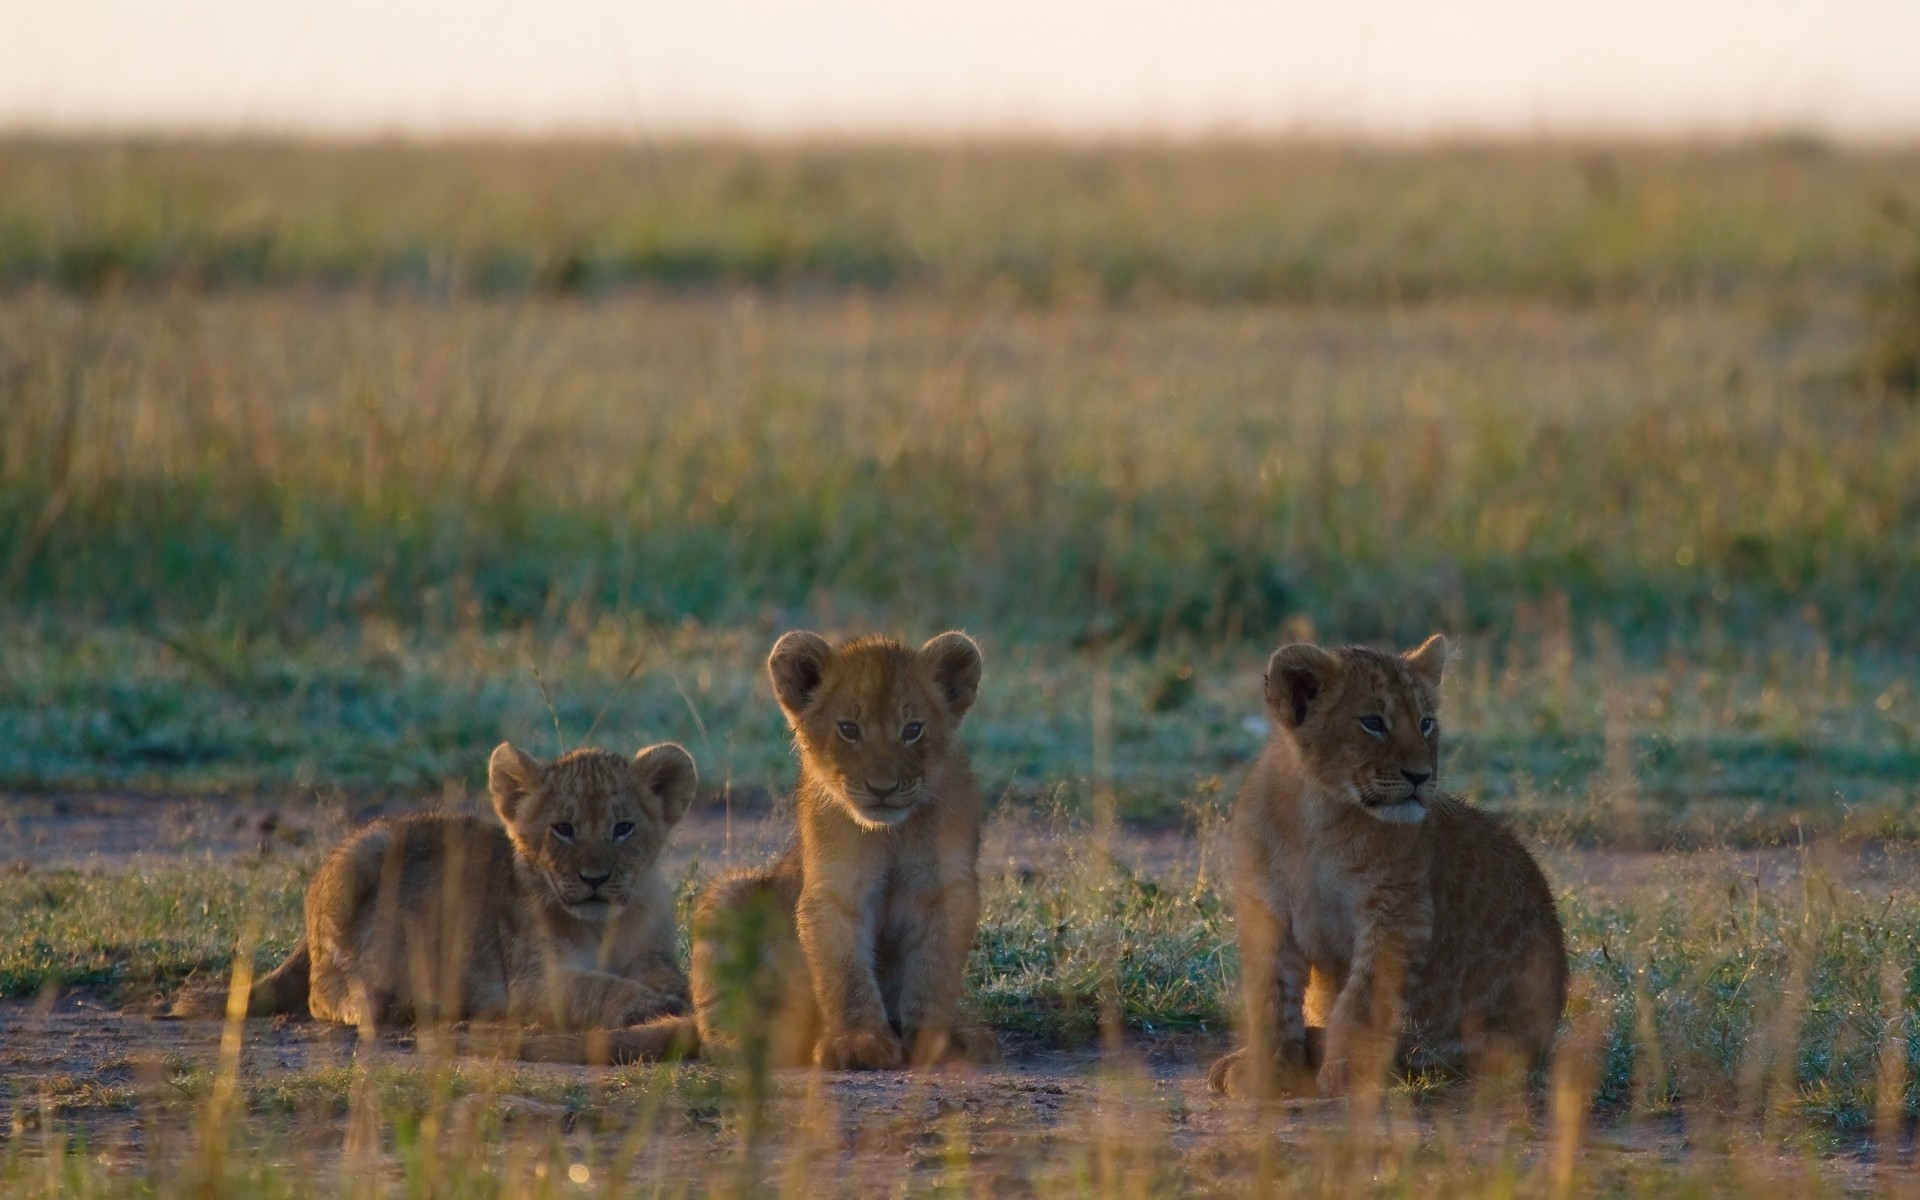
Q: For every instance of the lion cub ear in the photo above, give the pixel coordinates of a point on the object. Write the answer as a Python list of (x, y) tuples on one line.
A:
[(798, 666), (954, 661), (1297, 676), (1430, 660), (511, 774), (668, 772)]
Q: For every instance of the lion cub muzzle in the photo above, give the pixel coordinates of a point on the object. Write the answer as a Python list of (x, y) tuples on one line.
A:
[(1398, 800), (885, 803), (594, 895)]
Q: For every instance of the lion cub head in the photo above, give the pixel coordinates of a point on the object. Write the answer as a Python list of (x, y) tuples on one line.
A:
[(588, 826), (873, 717), (1366, 724)]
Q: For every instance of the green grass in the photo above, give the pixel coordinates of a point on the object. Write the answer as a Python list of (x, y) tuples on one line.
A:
[(130, 936), (313, 541), (1625, 374), (1681, 987), (295, 464), (1731, 745)]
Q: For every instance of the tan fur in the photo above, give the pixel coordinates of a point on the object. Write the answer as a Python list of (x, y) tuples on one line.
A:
[(1379, 919), (849, 951), (556, 916)]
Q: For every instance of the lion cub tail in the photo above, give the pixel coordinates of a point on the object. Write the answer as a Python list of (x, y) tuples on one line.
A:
[(281, 990), (667, 1039)]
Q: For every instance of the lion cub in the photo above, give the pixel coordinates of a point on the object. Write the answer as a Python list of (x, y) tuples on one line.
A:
[(1379, 919), (557, 916), (850, 949)]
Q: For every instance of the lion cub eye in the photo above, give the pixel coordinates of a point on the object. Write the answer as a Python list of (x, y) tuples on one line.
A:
[(911, 731), (622, 831), (1373, 725), (563, 830), (849, 731), (1427, 726)]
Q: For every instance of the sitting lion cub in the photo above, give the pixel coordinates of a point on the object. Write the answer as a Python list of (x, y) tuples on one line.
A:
[(1379, 919), (557, 916), (849, 951)]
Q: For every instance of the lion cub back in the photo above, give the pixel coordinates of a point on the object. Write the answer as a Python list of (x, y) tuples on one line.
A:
[(1497, 975), (399, 912)]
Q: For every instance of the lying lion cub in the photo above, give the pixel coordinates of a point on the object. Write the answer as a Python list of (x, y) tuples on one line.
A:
[(1378, 917), (849, 951), (557, 916)]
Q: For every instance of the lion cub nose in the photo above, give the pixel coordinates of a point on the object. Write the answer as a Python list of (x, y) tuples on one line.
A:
[(1416, 778), (881, 791), (594, 881)]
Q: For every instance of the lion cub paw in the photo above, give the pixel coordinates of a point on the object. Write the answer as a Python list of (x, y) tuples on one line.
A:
[(1335, 1074), (646, 1006), (1237, 1075), (974, 1044), (960, 1044), (859, 1050)]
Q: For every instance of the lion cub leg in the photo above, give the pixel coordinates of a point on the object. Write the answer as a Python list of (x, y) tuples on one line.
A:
[(1273, 981), (578, 999), (838, 929), (1364, 1028), (662, 991), (922, 967)]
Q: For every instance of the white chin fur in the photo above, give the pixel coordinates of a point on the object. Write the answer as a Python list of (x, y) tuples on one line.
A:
[(1407, 812), (874, 818)]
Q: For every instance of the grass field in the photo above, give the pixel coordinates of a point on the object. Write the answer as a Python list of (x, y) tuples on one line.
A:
[(323, 468), (1222, 222)]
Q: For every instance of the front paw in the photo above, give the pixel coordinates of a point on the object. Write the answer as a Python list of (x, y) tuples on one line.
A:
[(1238, 1075), (859, 1050), (959, 1044), (649, 1005), (1335, 1073), (974, 1044), (1353, 1058)]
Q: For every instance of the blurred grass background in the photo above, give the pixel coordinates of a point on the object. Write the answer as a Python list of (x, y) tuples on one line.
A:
[(313, 452), (1221, 222)]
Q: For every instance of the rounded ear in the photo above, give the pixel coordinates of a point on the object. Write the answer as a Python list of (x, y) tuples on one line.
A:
[(1297, 676), (668, 772), (1430, 660), (798, 666), (511, 774), (953, 659)]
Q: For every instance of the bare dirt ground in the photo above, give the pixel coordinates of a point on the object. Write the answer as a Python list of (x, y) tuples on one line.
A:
[(118, 1076), (74, 1061)]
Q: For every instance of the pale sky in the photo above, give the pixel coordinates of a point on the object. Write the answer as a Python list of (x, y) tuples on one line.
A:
[(1387, 67)]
